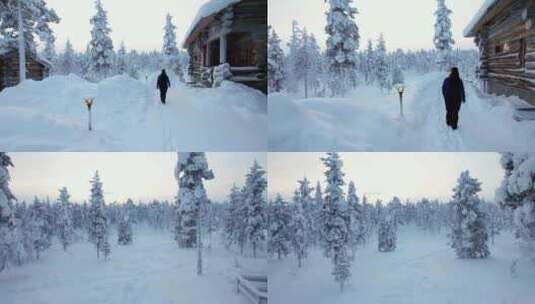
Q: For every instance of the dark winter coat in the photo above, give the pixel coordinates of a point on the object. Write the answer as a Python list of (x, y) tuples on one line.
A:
[(163, 82), (453, 92)]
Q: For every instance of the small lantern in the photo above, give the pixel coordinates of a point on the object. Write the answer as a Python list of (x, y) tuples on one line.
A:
[(89, 101), (401, 89)]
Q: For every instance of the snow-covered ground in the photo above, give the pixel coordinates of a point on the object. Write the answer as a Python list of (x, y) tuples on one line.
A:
[(152, 270), (369, 120), (49, 115), (423, 269)]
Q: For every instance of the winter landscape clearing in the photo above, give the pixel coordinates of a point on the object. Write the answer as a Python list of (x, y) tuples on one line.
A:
[(151, 270), (422, 269), (50, 115), (369, 120)]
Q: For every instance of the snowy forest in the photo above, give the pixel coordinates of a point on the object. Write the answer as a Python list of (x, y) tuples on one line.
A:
[(223, 235), (303, 65), (329, 228)]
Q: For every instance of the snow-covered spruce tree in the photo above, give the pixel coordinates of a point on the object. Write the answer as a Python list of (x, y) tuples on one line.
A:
[(29, 17), (49, 52), (299, 229), (357, 225), (65, 228), (382, 71), (124, 229), (342, 45), (66, 62), (369, 67), (443, 36), (517, 192), (169, 50), (98, 223), (279, 228), (40, 231), (254, 194), (235, 219), (7, 228), (469, 234), (293, 59), (304, 197), (386, 232), (275, 62), (101, 46), (121, 66), (190, 172), (334, 220), (397, 75)]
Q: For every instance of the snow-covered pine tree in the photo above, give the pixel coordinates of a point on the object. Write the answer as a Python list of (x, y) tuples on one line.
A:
[(98, 223), (275, 62), (443, 36), (121, 66), (334, 220), (397, 75), (101, 46), (279, 228), (124, 229), (169, 50), (382, 71), (66, 64), (357, 224), (29, 17), (386, 233), (256, 222), (190, 172), (6, 212), (299, 229), (517, 192), (293, 60), (235, 219), (40, 232), (369, 70), (469, 234), (304, 197), (342, 45), (65, 228)]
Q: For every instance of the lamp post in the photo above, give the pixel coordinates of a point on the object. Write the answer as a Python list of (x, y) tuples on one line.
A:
[(401, 90), (89, 103)]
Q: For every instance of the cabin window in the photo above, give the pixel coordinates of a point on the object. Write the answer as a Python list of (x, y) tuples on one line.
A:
[(241, 50), (522, 53), (499, 48)]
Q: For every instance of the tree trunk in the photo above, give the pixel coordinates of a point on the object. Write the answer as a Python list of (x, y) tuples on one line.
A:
[(22, 52)]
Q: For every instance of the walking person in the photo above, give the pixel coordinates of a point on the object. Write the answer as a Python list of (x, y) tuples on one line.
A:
[(163, 84), (454, 96)]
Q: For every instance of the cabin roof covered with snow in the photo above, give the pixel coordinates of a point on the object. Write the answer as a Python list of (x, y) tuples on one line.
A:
[(204, 17), (488, 10)]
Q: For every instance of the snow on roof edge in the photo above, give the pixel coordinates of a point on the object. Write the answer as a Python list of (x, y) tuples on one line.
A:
[(209, 8), (469, 30)]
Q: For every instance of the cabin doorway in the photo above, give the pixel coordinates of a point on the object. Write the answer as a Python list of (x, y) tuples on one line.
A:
[(213, 58), (241, 50)]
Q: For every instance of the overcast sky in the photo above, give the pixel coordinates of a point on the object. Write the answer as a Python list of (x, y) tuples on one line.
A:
[(138, 23), (140, 176), (406, 24), (385, 175)]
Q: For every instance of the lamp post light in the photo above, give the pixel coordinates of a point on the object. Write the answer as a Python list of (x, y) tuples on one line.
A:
[(89, 101), (401, 90)]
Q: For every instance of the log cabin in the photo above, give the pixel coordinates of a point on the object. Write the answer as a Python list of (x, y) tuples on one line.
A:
[(504, 31), (228, 40), (37, 68)]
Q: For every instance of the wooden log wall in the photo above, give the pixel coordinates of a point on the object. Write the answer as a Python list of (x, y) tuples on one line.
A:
[(9, 71), (507, 51)]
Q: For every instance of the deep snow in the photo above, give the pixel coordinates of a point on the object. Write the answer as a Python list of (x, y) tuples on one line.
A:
[(423, 269), (152, 270), (369, 120), (49, 115)]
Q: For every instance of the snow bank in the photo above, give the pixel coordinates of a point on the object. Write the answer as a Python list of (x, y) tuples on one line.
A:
[(128, 116), (209, 8), (468, 31)]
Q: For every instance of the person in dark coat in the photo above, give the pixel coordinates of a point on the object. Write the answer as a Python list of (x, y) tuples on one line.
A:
[(453, 92), (163, 84)]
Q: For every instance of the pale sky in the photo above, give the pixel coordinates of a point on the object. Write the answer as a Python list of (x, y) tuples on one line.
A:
[(140, 176), (138, 23), (406, 24), (385, 175)]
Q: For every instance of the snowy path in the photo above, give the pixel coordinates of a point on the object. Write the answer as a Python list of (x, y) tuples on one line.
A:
[(368, 120), (152, 270), (49, 116), (422, 270)]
